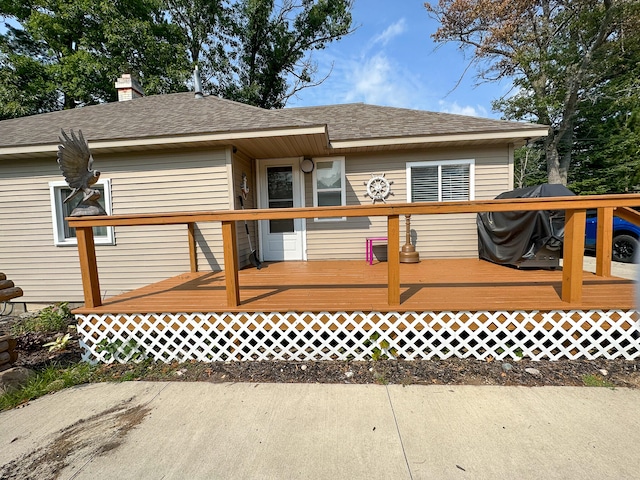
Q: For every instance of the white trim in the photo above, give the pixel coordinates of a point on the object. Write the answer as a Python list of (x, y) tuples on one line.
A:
[(512, 172), (462, 137), (438, 163), (228, 157), (58, 221), (343, 188)]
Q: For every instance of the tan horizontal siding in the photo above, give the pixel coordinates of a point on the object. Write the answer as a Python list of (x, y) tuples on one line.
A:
[(159, 182), (435, 236)]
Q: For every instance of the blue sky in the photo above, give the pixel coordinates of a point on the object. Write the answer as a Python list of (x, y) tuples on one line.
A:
[(392, 60)]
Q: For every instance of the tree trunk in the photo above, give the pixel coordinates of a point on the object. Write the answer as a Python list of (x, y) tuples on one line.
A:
[(556, 169)]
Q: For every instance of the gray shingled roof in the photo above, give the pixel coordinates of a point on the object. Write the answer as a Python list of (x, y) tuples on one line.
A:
[(182, 114), (153, 116), (361, 121)]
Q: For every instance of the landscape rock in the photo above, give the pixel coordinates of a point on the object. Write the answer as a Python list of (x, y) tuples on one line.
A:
[(507, 366), (604, 372), (533, 371), (14, 378)]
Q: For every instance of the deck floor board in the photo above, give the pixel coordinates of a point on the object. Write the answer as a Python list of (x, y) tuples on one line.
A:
[(431, 285)]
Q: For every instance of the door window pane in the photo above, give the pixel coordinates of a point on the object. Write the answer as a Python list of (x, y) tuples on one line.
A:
[(281, 226), (280, 181), (280, 191)]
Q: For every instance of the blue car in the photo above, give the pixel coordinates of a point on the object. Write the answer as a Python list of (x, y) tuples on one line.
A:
[(625, 238)]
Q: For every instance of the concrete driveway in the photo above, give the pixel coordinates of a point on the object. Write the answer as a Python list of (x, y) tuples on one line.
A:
[(145, 430)]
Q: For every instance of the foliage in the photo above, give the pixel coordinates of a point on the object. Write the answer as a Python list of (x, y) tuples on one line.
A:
[(529, 168), (52, 378), (68, 53), (59, 344), (382, 349), (556, 51), (270, 60), (74, 51), (120, 350), (54, 318), (606, 151)]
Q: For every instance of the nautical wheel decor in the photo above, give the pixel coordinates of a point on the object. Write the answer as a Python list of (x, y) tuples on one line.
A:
[(378, 188)]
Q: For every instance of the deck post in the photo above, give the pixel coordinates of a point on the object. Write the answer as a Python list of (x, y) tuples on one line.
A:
[(393, 259), (88, 267), (229, 246), (604, 241), (573, 256), (193, 254)]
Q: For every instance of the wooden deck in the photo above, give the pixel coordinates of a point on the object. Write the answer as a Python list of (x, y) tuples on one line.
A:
[(432, 285)]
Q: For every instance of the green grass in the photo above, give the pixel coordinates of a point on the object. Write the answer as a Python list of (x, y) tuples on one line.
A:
[(593, 380), (51, 379)]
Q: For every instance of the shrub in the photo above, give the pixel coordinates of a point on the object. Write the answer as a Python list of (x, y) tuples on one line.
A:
[(54, 318)]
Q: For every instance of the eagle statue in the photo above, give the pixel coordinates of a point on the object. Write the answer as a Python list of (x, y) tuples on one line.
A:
[(76, 163)]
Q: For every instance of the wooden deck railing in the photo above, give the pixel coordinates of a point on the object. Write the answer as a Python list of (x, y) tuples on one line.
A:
[(575, 218)]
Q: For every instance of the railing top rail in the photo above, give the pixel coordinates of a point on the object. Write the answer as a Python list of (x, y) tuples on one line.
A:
[(422, 208)]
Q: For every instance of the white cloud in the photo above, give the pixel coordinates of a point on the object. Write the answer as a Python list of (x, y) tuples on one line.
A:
[(378, 80), (448, 107), (393, 30)]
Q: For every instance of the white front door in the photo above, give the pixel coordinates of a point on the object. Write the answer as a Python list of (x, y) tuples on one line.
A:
[(281, 186)]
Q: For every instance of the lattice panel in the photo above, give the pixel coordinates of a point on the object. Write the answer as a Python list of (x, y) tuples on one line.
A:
[(360, 335)]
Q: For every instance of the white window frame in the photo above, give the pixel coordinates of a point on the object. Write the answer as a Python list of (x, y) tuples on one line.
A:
[(58, 220), (440, 163), (343, 187)]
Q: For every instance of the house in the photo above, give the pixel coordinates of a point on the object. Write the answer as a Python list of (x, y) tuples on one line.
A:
[(178, 152)]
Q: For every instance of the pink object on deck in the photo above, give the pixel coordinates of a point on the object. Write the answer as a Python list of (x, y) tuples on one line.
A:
[(369, 248)]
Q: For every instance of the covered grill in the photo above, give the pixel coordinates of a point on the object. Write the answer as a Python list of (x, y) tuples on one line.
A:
[(526, 239)]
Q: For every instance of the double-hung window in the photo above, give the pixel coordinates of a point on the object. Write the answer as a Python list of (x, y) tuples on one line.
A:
[(440, 181), (329, 184), (63, 234)]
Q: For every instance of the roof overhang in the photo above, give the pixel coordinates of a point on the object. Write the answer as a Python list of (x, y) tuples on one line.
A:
[(518, 137), (290, 142)]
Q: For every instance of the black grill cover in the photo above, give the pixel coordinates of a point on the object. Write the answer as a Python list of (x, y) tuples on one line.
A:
[(512, 238)]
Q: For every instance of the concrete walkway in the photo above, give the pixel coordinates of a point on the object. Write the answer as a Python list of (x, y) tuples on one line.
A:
[(145, 430)]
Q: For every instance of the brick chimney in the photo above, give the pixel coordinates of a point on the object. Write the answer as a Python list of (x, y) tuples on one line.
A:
[(128, 88)]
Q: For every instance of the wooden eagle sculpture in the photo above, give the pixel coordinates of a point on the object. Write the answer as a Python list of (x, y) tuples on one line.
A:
[(76, 163)]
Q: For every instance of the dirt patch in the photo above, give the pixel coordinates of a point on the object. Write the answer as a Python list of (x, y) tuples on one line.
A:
[(620, 373), (77, 443)]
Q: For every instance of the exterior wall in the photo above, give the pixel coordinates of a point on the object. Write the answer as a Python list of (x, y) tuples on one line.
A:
[(158, 182), (435, 236), (244, 164)]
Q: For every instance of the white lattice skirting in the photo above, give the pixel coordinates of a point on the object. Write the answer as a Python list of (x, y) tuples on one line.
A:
[(360, 335)]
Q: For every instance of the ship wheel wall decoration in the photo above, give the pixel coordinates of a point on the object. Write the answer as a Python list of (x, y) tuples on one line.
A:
[(378, 188)]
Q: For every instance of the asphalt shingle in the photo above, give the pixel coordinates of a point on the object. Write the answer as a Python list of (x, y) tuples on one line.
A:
[(182, 114)]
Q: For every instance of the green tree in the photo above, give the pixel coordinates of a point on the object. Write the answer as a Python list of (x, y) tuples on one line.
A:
[(64, 54), (606, 151), (270, 57), (205, 28), (555, 52)]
